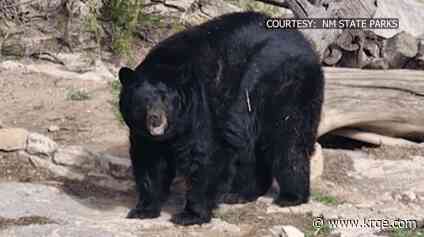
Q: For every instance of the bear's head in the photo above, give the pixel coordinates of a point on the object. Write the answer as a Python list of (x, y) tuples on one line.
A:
[(148, 107)]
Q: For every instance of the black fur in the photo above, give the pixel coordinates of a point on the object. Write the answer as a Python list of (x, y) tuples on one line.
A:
[(243, 105)]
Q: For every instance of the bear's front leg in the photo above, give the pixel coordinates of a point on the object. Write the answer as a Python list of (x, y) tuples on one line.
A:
[(197, 209), (148, 176)]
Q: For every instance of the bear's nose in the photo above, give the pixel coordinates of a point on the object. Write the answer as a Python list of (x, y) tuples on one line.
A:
[(155, 120)]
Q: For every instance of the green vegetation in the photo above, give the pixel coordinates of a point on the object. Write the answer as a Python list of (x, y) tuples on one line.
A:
[(151, 19), (91, 22), (178, 26), (126, 19), (125, 16), (325, 199), (321, 231), (77, 95), (256, 6), (233, 216), (399, 232)]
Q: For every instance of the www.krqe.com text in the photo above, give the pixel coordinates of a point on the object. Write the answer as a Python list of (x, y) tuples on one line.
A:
[(365, 223)]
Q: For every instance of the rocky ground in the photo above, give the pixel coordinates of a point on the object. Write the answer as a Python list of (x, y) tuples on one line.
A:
[(67, 173)]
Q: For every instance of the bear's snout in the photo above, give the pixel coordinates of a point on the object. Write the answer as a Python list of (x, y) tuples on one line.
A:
[(155, 120), (156, 123)]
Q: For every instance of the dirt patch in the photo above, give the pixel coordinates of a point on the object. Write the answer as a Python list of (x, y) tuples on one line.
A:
[(254, 215), (37, 102), (13, 168), (394, 152), (27, 220), (336, 167), (83, 190)]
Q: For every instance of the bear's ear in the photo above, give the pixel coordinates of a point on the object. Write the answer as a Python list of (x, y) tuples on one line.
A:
[(126, 75)]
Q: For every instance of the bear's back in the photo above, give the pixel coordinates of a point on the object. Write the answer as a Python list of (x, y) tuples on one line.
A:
[(216, 33), (230, 40)]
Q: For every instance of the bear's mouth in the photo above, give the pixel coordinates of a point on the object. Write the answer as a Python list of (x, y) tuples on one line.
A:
[(156, 123)]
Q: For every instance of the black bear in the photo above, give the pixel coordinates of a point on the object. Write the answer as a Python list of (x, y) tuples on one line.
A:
[(229, 105)]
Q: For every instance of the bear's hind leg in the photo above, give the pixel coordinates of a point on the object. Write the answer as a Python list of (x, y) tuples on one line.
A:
[(241, 134), (292, 147), (263, 169), (253, 176), (294, 114), (244, 185)]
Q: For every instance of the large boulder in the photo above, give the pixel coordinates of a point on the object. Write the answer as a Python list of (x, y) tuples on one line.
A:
[(400, 49), (409, 12)]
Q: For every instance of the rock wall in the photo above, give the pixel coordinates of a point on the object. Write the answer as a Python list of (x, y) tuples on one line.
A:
[(68, 162), (43, 28)]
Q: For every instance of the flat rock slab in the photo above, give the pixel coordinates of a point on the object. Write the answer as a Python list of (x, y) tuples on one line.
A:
[(12, 139), (71, 216), (74, 156)]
